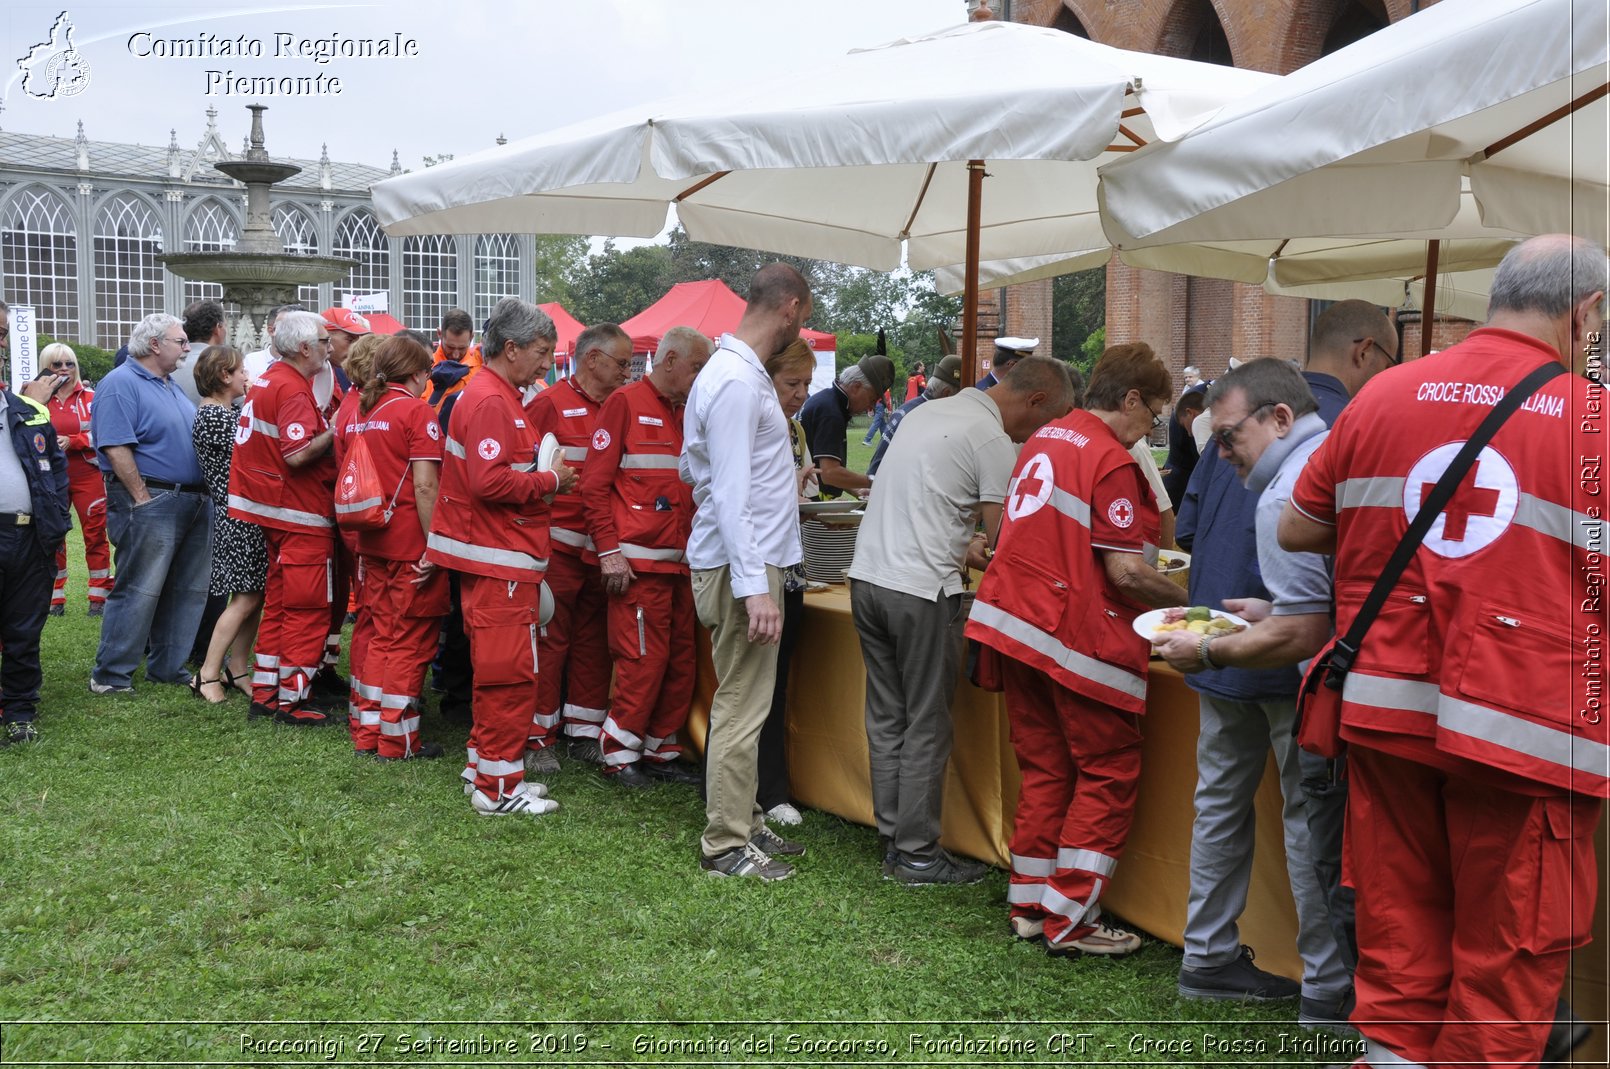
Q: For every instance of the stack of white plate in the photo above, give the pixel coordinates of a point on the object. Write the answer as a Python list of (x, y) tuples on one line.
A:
[(829, 550)]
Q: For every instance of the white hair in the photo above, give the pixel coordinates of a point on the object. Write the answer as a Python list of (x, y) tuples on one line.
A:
[(683, 341), (148, 330), (854, 376)]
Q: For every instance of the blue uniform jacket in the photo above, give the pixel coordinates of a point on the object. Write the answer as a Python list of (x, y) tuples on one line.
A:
[(44, 464)]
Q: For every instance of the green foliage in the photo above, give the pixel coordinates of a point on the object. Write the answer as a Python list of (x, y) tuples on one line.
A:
[(616, 284), (94, 363), (561, 262), (1078, 308), (1092, 349)]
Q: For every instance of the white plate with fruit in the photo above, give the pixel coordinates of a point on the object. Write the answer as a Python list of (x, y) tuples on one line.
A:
[(1198, 619)]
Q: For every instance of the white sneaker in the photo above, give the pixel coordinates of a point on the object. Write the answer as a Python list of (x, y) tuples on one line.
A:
[(783, 813), (523, 802), (540, 790)]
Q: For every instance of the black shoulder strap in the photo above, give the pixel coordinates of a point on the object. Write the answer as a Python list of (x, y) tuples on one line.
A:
[(1346, 648)]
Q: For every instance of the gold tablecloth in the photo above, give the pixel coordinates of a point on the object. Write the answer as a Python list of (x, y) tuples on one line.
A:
[(828, 769)]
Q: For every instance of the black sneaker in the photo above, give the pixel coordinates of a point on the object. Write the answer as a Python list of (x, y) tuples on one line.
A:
[(937, 871), (17, 733), (58, 610), (1238, 980), (586, 750), (302, 715), (97, 609), (428, 751), (628, 776), (673, 772), (747, 861), (327, 682), (1331, 1013), (771, 844)]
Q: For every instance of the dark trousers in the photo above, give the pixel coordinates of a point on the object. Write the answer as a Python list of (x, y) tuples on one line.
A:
[(26, 573), (456, 676), (1324, 786), (772, 784)]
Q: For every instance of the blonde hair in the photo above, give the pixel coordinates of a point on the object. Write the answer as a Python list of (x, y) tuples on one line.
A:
[(795, 356), (360, 359)]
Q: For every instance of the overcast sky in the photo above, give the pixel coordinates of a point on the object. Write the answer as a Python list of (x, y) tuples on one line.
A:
[(483, 67)]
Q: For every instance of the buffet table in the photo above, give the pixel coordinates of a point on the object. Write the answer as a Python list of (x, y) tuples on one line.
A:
[(828, 767)]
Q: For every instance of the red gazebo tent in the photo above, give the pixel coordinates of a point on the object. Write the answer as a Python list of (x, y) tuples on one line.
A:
[(569, 327), (709, 307)]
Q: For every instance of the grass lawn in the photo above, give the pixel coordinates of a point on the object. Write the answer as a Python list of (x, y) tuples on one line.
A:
[(175, 871)]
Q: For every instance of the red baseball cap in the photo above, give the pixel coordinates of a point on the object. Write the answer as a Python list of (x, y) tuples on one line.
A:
[(346, 320)]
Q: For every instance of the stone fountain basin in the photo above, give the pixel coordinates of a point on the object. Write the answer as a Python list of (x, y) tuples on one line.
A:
[(257, 268)]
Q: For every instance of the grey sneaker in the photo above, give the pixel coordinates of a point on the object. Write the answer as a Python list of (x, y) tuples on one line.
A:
[(107, 688), (1105, 942), (17, 733), (771, 844), (1238, 980), (586, 750), (749, 861), (943, 869), (543, 762)]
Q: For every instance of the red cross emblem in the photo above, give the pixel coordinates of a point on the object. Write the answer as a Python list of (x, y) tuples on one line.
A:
[(1121, 513), (1031, 489), (1481, 508), (1468, 500)]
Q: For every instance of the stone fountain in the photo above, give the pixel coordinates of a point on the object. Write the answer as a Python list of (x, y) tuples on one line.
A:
[(257, 274)]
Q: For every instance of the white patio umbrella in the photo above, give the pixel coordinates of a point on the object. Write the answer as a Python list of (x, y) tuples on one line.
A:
[(882, 151), (1481, 119)]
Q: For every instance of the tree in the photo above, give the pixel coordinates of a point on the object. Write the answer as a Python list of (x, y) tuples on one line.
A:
[(616, 284), (1078, 308), (561, 262), (864, 301), (696, 261)]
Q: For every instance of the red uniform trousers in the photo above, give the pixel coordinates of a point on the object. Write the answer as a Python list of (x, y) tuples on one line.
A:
[(296, 614), (1470, 899), (364, 694), (651, 637), (404, 617), (1080, 761), (500, 618), (87, 487), (575, 654)]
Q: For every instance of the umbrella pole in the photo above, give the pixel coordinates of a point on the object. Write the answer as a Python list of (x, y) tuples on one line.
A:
[(1428, 307), (975, 194)]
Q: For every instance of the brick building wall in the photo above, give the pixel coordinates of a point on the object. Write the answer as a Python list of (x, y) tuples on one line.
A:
[(1193, 320)]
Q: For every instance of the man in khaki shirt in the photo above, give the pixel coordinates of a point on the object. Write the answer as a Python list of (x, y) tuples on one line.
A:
[(947, 471)]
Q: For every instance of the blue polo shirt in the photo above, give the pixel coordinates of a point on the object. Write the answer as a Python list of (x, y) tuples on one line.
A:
[(826, 419), (1217, 525), (134, 407)]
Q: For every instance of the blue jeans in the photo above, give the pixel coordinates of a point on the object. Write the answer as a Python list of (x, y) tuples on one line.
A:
[(164, 557)]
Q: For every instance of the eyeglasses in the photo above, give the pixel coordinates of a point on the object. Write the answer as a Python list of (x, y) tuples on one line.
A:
[(620, 365), (1226, 437), (1157, 420), (181, 341), (1390, 359), (1157, 416), (62, 364)]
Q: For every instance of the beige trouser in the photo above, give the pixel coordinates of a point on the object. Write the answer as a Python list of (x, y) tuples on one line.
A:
[(745, 675)]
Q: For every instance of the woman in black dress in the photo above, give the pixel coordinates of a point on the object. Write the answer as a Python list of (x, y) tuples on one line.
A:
[(239, 554)]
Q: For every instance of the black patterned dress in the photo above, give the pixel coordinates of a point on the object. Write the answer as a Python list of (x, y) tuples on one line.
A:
[(239, 554)]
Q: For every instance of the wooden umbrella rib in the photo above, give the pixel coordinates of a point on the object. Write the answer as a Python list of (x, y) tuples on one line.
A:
[(1548, 120), (922, 194), (1140, 142), (695, 187)]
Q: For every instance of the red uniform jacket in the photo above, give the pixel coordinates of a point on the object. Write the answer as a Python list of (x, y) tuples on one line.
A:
[(490, 516), (280, 417), (635, 501), (1491, 647), (568, 414), (1046, 599), (71, 418)]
